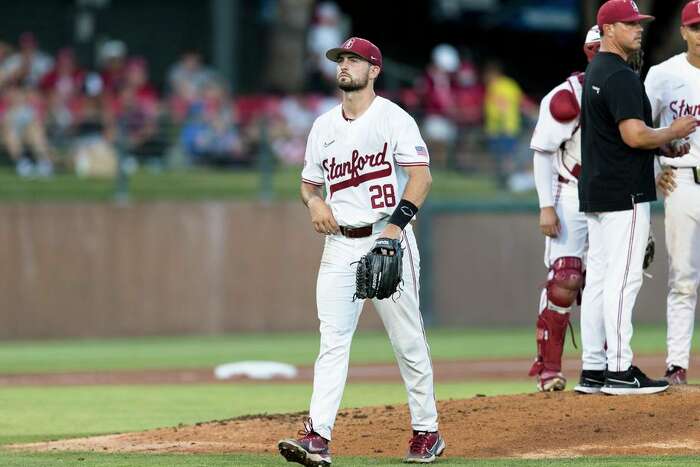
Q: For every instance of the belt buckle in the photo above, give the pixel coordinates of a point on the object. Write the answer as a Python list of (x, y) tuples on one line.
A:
[(696, 174)]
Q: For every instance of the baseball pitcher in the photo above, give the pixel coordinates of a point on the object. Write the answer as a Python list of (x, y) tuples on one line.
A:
[(370, 157)]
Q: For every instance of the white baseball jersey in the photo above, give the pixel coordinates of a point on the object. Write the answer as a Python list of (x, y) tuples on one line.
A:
[(553, 136), (673, 90), (360, 161), (563, 139)]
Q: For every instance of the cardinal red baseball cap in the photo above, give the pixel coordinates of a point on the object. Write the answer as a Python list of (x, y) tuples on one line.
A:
[(619, 11), (360, 47), (691, 13)]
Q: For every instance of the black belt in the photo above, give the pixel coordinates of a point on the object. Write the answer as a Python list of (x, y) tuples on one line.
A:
[(356, 232), (696, 172)]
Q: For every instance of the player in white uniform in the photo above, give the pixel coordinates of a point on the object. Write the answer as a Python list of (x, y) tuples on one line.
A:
[(673, 88), (556, 143), (373, 162)]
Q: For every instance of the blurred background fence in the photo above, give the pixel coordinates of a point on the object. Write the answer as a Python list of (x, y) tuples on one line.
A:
[(158, 105)]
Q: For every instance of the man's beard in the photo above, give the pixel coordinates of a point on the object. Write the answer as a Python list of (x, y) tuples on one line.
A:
[(353, 85)]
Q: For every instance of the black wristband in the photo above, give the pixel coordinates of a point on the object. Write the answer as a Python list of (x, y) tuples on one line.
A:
[(403, 213)]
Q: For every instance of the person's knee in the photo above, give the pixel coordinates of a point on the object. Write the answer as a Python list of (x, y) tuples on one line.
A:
[(565, 282), (413, 347), (684, 287)]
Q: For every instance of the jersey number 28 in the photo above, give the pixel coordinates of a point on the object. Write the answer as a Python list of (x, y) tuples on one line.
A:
[(382, 196)]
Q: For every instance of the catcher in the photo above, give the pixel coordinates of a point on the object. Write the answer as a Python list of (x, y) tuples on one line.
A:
[(556, 143), (370, 157)]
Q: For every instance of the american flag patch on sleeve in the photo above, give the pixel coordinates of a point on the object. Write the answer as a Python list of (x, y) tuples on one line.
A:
[(421, 151)]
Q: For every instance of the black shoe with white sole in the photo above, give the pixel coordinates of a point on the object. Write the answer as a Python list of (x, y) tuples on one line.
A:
[(591, 381), (632, 381)]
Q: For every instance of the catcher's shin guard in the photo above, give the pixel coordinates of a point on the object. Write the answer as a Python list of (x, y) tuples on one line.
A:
[(551, 331), (563, 287)]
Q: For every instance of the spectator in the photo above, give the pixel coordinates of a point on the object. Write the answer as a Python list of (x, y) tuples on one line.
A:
[(6, 51), (93, 152), (291, 127), (66, 78), (210, 135), (22, 129), (136, 110), (29, 65), (137, 80), (327, 31), (186, 79), (62, 88), (112, 60), (188, 76), (469, 93), (437, 91), (503, 123)]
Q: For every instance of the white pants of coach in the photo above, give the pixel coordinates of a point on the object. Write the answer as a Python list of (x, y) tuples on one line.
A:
[(617, 241), (682, 221), (339, 314)]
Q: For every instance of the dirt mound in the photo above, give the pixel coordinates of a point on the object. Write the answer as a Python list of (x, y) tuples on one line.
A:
[(521, 426)]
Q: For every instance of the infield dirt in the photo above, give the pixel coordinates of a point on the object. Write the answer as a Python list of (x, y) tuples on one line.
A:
[(521, 426)]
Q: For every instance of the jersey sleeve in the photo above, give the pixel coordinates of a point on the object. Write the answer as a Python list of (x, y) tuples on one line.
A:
[(312, 173), (542, 170), (410, 150), (549, 133), (654, 88), (624, 95)]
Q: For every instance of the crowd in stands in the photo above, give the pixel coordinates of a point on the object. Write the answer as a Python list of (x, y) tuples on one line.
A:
[(54, 113)]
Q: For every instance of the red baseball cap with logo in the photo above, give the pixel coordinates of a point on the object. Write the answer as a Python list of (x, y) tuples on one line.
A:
[(360, 47), (619, 11), (691, 13)]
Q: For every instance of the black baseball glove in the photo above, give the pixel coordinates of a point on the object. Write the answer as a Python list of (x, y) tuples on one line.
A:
[(379, 271), (649, 252)]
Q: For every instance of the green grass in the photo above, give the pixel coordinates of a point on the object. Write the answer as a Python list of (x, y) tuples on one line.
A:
[(45, 413), (34, 414), (198, 184), (167, 460), (294, 348)]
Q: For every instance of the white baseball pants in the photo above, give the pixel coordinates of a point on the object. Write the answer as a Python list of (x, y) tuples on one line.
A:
[(338, 314), (617, 241), (682, 223), (573, 238)]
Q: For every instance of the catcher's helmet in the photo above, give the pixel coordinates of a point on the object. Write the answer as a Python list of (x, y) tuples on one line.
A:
[(592, 44)]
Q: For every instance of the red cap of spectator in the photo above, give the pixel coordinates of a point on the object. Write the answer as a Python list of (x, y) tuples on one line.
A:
[(27, 39), (619, 11), (691, 13), (65, 54), (137, 63), (360, 47)]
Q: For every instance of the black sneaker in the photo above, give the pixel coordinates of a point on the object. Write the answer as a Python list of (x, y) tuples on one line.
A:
[(632, 381), (591, 381)]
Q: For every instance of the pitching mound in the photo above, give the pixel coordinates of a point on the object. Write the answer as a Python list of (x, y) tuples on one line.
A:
[(522, 426)]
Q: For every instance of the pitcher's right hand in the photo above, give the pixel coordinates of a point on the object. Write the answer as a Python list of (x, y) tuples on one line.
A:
[(322, 217)]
